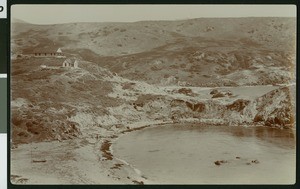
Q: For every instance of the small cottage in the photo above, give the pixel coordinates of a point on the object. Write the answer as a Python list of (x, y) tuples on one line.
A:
[(69, 63)]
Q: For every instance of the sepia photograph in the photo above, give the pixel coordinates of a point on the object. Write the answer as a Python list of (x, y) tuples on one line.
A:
[(152, 94)]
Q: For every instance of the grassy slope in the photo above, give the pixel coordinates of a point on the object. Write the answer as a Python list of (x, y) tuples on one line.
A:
[(45, 99), (55, 103)]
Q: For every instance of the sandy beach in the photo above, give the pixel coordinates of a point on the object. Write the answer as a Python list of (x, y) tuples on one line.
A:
[(85, 160)]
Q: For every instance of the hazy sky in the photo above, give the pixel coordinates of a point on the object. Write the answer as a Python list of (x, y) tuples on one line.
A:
[(51, 14)]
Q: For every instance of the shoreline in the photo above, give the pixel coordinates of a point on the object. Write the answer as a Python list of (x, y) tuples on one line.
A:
[(111, 169), (60, 164), (135, 174)]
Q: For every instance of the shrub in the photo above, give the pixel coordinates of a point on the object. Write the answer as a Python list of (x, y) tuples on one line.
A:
[(215, 91), (128, 86), (258, 118), (185, 91), (218, 95)]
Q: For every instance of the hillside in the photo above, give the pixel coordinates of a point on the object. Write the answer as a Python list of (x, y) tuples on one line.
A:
[(109, 39), (172, 71), (197, 52), (65, 103)]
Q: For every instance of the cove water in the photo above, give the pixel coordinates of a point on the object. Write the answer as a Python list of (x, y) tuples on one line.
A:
[(186, 154)]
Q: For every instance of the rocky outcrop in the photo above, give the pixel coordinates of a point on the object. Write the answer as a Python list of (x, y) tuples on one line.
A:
[(238, 105), (272, 109), (275, 109)]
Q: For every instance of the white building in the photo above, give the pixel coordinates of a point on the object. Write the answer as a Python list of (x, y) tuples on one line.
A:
[(70, 63)]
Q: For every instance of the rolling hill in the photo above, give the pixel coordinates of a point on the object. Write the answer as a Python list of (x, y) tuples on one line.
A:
[(199, 52), (152, 71)]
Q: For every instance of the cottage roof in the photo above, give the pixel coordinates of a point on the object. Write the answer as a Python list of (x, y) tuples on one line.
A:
[(59, 50), (68, 61)]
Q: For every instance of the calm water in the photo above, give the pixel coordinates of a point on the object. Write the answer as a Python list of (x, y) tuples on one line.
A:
[(186, 154)]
